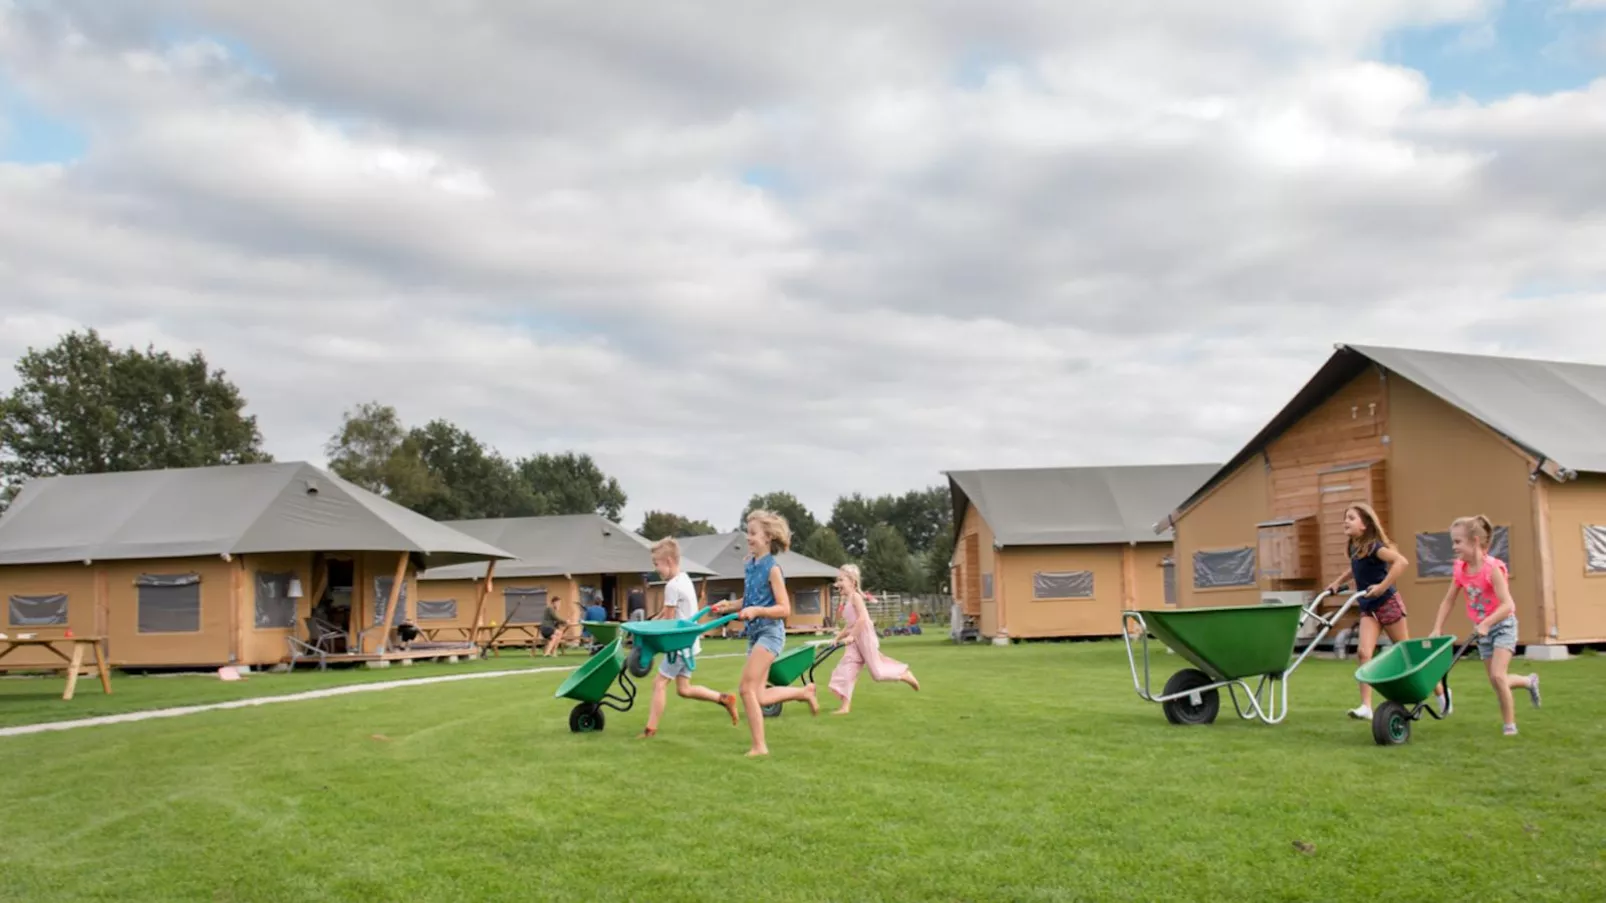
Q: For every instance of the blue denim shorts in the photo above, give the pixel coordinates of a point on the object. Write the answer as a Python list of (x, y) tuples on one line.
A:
[(1500, 636), (682, 666), (768, 633)]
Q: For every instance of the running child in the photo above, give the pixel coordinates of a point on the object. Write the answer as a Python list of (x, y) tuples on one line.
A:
[(680, 601), (764, 606), (1490, 607), (863, 646), (1375, 566)]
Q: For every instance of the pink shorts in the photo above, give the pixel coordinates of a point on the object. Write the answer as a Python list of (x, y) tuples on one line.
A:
[(1389, 612)]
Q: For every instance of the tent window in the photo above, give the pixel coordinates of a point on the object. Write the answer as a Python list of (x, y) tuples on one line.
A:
[(169, 603), (39, 611), (437, 609), (1594, 550), (1435, 556), (1168, 570), (382, 599), (986, 586), (523, 605), (1223, 568), (1062, 585), (806, 602), (275, 610)]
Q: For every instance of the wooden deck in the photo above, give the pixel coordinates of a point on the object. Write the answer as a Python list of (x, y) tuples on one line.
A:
[(430, 652)]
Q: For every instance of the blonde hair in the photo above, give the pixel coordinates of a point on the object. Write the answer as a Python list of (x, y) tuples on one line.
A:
[(1375, 536), (667, 548), (851, 571), (774, 527), (1478, 527)]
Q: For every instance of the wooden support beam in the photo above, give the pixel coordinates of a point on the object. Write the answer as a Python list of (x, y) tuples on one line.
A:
[(236, 613), (398, 580), (484, 590), (1129, 577), (1549, 627), (320, 582)]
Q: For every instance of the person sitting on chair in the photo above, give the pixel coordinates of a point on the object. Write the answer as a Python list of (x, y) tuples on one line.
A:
[(553, 628)]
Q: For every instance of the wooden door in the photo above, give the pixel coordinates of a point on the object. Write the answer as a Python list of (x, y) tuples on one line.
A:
[(1340, 488), (972, 575)]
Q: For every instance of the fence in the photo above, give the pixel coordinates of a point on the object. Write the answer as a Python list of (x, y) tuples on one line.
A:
[(892, 609)]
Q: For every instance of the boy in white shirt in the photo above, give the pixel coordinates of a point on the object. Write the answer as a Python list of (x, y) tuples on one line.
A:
[(680, 601)]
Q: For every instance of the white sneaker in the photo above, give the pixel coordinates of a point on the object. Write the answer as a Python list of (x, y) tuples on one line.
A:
[(1361, 713)]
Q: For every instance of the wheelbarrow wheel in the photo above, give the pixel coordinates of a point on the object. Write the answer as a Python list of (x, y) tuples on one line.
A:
[(773, 710), (640, 663), (1391, 724), (1182, 710), (586, 717)]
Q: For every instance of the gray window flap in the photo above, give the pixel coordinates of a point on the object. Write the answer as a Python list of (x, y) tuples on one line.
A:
[(1594, 550), (1062, 585), (986, 586), (437, 609), (275, 610), (806, 602), (1227, 567), (169, 608), (39, 611), (523, 605), (1169, 572), (1435, 554), (382, 599), (167, 580)]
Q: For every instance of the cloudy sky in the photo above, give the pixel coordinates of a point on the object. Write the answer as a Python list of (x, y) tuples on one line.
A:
[(730, 247)]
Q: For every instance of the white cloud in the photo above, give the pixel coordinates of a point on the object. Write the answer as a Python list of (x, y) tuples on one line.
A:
[(1128, 241)]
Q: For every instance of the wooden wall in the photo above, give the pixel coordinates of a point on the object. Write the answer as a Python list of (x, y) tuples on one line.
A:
[(974, 554), (1123, 576), (1580, 595), (1224, 519)]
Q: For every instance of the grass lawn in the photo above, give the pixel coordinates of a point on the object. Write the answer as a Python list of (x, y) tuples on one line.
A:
[(1028, 773)]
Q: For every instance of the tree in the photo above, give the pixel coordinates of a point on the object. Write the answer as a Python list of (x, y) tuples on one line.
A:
[(660, 524), (824, 546), (572, 484), (937, 563), (82, 406), (886, 562), (468, 481), (786, 505), (852, 518), (920, 515), (373, 450)]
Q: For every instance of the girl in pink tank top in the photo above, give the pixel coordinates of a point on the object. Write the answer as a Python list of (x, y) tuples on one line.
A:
[(1490, 608)]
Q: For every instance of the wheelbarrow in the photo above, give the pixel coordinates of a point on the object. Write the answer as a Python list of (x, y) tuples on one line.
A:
[(1406, 674), (800, 662), (1226, 646), (672, 638), (591, 686), (602, 633)]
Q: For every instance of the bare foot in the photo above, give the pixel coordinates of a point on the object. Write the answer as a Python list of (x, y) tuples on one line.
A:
[(729, 702), (645, 734), (758, 751), (841, 711), (909, 678), (812, 699)]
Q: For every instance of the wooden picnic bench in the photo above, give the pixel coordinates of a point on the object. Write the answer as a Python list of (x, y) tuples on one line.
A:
[(74, 661)]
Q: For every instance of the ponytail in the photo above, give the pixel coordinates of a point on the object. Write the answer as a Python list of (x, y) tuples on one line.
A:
[(1479, 527)]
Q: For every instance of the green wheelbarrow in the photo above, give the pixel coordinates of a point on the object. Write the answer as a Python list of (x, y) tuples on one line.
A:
[(672, 638), (1406, 675), (601, 632), (1227, 646), (800, 662), (591, 686)]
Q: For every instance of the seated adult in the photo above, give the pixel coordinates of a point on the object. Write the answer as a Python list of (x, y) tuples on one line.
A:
[(553, 628)]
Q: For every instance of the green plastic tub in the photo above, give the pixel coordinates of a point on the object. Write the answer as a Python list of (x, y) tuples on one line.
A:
[(603, 632), (1230, 642), (590, 682), (1409, 672), (653, 637)]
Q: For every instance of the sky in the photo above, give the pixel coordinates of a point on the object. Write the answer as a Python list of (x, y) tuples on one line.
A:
[(729, 248)]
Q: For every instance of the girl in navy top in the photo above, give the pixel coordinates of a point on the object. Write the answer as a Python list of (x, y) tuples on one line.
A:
[(764, 606), (1375, 566)]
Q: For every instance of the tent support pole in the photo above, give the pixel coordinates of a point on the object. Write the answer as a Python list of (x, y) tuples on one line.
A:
[(479, 603)]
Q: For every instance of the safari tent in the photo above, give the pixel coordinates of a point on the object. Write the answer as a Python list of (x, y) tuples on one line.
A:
[(1424, 437), (214, 565), (1061, 551), (808, 581), (556, 561)]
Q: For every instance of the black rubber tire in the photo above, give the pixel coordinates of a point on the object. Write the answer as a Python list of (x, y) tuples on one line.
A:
[(1391, 724), (639, 663), (586, 717), (1181, 711), (773, 710)]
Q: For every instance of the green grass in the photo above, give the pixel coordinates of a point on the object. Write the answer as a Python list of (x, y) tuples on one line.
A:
[(1029, 773)]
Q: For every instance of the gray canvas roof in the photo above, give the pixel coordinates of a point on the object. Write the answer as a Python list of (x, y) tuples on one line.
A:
[(726, 555), (1554, 411), (554, 546), (1057, 506), (237, 509)]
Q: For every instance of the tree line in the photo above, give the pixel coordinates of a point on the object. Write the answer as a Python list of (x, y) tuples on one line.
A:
[(85, 406)]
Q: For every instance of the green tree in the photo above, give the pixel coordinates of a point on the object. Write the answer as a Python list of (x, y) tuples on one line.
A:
[(374, 450), (852, 518), (82, 406), (936, 561), (468, 481), (572, 483), (660, 524), (786, 505), (824, 546), (920, 515), (886, 562)]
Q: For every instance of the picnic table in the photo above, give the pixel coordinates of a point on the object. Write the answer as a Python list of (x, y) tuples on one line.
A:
[(75, 661)]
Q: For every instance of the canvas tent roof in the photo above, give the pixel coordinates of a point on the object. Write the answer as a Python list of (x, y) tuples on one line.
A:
[(1057, 506), (726, 555), (235, 509), (1554, 411), (557, 546)]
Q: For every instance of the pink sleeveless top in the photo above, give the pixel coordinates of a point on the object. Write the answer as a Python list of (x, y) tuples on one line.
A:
[(1481, 597)]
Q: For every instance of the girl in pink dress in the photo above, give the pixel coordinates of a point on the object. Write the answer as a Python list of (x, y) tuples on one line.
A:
[(863, 646)]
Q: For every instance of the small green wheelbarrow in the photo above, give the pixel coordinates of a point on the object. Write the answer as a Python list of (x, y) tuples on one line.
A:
[(1406, 675), (591, 686), (602, 633), (800, 662), (1226, 646), (671, 638)]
